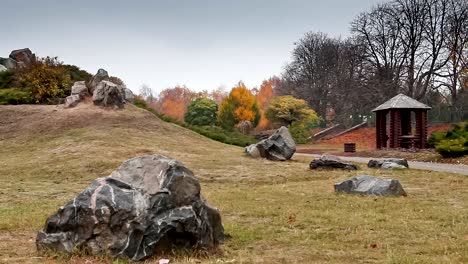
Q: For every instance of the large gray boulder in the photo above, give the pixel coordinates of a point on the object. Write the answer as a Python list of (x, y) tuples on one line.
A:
[(147, 204), (371, 185), (108, 94), (23, 56), (377, 163), (330, 162), (101, 75), (79, 88), (279, 146)]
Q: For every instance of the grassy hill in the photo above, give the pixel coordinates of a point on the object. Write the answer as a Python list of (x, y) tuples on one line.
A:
[(276, 212)]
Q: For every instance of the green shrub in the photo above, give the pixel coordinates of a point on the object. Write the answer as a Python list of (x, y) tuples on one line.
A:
[(452, 143), (436, 137), (452, 148), (201, 112), (225, 136), (6, 79), (300, 132), (140, 103), (14, 96), (76, 74)]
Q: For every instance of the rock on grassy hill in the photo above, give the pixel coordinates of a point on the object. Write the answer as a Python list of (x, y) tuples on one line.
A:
[(276, 212)]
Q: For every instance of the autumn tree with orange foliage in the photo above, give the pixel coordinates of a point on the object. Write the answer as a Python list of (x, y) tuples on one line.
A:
[(240, 105), (263, 97), (173, 102)]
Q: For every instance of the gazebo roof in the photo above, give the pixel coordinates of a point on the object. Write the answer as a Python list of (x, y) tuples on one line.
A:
[(401, 101)]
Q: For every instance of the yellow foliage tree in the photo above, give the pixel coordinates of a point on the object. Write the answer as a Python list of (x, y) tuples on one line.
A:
[(240, 105), (46, 79)]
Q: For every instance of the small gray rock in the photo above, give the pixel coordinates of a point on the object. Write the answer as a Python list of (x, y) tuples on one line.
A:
[(129, 96), (252, 151), (2, 68), (79, 88), (24, 56), (72, 101), (391, 165), (371, 185), (378, 163), (331, 162)]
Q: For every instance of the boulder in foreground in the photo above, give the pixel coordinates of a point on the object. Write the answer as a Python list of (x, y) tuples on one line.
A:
[(330, 162), (279, 146), (148, 204), (370, 185)]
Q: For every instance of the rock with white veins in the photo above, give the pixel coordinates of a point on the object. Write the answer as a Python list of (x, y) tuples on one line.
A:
[(147, 204)]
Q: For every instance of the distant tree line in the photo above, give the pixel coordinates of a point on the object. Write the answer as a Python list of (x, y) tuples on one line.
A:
[(415, 47)]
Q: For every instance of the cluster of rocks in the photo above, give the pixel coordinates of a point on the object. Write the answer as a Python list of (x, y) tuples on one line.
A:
[(104, 92), (17, 59), (280, 146), (147, 205), (363, 184)]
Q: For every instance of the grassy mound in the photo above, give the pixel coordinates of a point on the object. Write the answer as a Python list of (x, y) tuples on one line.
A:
[(276, 212)]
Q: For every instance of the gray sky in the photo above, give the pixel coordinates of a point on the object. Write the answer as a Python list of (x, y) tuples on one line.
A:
[(200, 43)]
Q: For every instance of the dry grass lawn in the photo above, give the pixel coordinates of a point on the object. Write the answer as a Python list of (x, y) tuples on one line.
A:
[(276, 212)]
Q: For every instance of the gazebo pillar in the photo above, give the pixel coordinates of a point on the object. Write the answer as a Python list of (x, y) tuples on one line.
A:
[(381, 129), (421, 128), (395, 128)]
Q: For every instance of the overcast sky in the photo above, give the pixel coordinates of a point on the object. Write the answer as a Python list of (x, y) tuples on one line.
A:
[(200, 43)]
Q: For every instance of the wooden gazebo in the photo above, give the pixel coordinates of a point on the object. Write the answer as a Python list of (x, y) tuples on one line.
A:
[(399, 133)]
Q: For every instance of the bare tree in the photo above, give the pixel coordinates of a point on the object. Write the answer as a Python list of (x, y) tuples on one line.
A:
[(310, 74), (377, 33), (147, 93), (456, 45)]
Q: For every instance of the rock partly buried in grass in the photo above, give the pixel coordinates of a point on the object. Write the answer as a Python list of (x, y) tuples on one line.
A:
[(370, 185), (330, 162), (391, 166), (149, 204), (279, 146), (72, 101), (252, 151), (390, 163)]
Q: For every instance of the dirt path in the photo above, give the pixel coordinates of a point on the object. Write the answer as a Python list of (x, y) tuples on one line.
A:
[(432, 166)]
